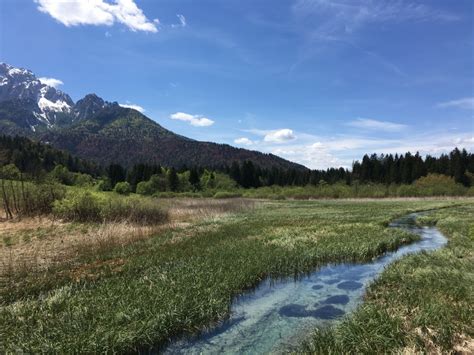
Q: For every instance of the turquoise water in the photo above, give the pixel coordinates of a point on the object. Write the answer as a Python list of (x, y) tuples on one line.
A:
[(279, 314)]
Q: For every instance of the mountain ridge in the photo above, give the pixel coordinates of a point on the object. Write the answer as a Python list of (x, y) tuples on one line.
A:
[(106, 132)]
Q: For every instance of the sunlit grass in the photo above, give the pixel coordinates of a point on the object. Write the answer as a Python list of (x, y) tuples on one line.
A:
[(183, 280), (423, 302)]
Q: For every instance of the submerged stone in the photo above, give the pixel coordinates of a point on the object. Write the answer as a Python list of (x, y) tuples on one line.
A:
[(337, 299), (327, 312), (349, 285), (317, 287), (294, 310)]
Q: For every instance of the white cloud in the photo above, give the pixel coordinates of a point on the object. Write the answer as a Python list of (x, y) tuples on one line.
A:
[(280, 136), (243, 141), (321, 152), (314, 156), (465, 103), (193, 120), (133, 106), (96, 13), (51, 82), (369, 124)]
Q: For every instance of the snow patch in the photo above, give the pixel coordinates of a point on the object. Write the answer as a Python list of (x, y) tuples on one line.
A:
[(15, 71), (58, 106), (42, 118)]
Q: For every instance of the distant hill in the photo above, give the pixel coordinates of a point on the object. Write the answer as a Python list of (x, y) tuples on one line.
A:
[(105, 132)]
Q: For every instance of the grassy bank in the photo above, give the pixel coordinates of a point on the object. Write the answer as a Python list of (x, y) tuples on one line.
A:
[(421, 303), (184, 278)]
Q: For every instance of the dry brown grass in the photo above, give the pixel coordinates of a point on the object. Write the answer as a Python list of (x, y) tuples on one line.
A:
[(186, 210), (36, 244)]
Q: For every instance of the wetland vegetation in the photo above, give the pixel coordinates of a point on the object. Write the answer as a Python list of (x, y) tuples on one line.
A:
[(181, 279)]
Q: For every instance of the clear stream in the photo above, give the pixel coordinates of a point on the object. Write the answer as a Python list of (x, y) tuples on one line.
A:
[(279, 314)]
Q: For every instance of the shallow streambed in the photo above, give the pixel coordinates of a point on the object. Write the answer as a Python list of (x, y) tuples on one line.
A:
[(278, 315)]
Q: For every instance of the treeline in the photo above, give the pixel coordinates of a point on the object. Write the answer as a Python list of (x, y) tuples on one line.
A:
[(405, 169), (35, 159), (383, 169)]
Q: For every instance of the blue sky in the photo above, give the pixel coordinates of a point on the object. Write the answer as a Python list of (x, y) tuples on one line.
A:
[(318, 82)]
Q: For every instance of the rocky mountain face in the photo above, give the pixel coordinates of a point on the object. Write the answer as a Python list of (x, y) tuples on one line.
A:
[(105, 132), (21, 88)]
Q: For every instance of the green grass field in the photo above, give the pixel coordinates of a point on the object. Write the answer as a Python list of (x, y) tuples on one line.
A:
[(423, 302), (183, 279)]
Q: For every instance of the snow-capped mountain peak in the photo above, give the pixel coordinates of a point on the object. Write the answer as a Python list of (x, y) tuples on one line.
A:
[(22, 84)]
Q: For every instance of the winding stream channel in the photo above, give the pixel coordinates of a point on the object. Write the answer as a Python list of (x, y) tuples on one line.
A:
[(279, 314)]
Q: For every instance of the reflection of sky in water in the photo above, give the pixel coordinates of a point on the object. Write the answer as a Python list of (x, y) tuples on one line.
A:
[(278, 314)]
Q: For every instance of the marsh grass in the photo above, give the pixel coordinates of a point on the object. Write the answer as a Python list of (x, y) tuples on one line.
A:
[(421, 303), (40, 252), (141, 294)]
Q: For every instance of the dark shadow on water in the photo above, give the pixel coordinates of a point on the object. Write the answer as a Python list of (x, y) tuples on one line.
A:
[(337, 299), (349, 285), (331, 281), (294, 310), (328, 312)]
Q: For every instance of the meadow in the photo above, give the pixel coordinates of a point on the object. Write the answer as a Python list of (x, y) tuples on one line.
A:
[(179, 276), (423, 302)]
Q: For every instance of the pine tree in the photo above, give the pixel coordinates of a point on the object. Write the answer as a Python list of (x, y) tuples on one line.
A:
[(194, 179), (235, 173), (173, 180)]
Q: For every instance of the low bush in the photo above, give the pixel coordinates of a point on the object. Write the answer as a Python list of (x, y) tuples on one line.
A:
[(79, 206), (29, 199), (87, 206), (133, 209), (225, 194), (123, 188)]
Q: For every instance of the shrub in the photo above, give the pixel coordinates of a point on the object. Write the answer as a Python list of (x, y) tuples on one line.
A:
[(437, 184), (144, 211), (27, 199), (85, 206), (104, 185), (63, 175), (226, 194), (123, 188), (145, 188), (79, 206), (166, 194), (83, 180)]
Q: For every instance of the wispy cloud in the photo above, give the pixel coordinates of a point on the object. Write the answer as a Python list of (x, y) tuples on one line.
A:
[(338, 18), (134, 107), (193, 120), (465, 103), (243, 141), (375, 125), (182, 21), (97, 12), (51, 82)]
